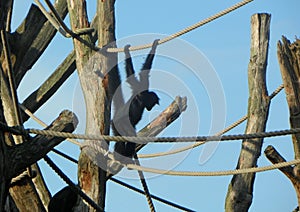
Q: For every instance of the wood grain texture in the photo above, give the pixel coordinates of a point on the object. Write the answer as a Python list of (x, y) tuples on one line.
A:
[(240, 191)]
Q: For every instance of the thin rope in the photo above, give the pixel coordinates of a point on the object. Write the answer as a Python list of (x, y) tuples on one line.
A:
[(144, 184), (19, 177), (43, 124), (214, 173), (153, 196), (130, 186), (61, 27), (58, 23), (277, 90), (74, 187), (186, 30), (182, 149), (13, 90)]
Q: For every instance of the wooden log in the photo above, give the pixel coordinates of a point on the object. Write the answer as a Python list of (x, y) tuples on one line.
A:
[(93, 72), (42, 94), (23, 155), (289, 61), (240, 191), (32, 37), (4, 181)]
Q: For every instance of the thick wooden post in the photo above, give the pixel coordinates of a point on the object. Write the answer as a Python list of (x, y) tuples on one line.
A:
[(289, 61), (95, 71), (240, 191)]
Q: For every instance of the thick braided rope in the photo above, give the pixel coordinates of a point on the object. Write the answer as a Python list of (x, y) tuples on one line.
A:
[(145, 140), (214, 173), (182, 149), (186, 30)]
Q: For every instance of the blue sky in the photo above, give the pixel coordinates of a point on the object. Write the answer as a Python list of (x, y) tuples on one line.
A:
[(223, 47)]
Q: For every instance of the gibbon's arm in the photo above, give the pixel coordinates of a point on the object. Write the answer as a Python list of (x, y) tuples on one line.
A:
[(145, 71), (130, 77), (127, 117)]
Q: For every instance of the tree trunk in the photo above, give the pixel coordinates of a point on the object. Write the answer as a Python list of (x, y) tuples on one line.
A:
[(289, 62), (240, 191), (95, 72)]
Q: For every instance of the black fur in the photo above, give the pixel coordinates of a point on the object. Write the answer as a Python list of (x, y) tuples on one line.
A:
[(63, 201), (128, 116)]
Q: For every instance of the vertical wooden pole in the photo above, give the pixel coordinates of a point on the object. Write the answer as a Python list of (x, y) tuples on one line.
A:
[(289, 61), (240, 191), (95, 72)]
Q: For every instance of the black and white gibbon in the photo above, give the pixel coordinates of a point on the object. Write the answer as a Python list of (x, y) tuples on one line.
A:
[(127, 116)]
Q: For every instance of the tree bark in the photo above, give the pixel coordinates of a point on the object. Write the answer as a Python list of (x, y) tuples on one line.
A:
[(289, 61), (94, 71), (42, 94), (24, 194), (32, 37), (240, 191), (4, 181), (26, 45)]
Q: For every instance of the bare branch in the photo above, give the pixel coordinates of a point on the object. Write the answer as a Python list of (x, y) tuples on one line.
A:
[(27, 153), (289, 62), (32, 38)]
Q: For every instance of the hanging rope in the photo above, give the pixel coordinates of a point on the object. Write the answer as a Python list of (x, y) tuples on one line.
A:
[(214, 173), (186, 30), (144, 184), (61, 27)]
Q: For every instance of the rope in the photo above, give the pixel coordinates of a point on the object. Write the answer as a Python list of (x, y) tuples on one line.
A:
[(74, 187), (130, 186), (58, 23), (39, 121), (182, 149), (144, 184), (186, 30), (153, 196), (19, 177), (145, 140), (43, 124), (61, 27), (277, 90), (13, 90), (214, 173)]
